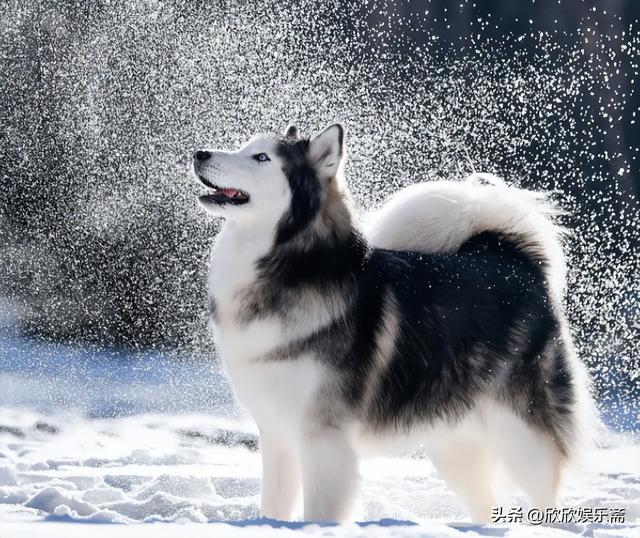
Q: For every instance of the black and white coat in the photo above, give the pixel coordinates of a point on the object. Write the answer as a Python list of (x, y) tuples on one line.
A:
[(440, 325)]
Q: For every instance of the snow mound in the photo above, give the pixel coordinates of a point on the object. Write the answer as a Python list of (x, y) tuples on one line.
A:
[(157, 463), (145, 469)]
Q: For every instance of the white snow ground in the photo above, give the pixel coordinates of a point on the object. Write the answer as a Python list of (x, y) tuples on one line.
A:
[(113, 440)]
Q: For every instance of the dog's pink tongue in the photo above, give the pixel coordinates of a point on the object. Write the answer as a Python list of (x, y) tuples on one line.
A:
[(230, 192)]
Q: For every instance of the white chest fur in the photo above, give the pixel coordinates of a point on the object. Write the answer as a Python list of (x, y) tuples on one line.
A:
[(278, 394), (274, 391), (233, 271)]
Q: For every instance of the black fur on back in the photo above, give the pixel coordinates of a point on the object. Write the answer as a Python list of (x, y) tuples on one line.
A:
[(477, 322)]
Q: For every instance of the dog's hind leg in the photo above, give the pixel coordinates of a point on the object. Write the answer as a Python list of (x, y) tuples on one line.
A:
[(464, 459), (529, 455)]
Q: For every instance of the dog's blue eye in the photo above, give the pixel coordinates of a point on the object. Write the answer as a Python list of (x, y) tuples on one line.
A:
[(261, 157)]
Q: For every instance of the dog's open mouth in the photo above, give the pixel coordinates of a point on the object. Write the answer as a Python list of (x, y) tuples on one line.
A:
[(222, 195)]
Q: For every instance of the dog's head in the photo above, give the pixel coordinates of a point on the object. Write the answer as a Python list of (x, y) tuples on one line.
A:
[(281, 181)]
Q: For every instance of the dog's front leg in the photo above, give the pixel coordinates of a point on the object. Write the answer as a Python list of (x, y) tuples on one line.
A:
[(280, 478), (329, 474)]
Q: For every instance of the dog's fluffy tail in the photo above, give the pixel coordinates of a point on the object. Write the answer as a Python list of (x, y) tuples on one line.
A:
[(437, 217)]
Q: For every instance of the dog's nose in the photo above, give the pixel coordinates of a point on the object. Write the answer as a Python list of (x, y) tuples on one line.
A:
[(202, 155)]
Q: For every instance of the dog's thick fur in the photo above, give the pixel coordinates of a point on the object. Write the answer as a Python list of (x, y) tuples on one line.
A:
[(440, 325)]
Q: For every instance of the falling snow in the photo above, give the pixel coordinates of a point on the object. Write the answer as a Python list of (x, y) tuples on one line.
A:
[(102, 104)]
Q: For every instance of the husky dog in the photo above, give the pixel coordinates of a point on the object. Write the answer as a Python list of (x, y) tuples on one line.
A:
[(439, 324)]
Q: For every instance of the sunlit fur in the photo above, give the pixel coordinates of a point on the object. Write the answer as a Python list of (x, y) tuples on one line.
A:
[(439, 326)]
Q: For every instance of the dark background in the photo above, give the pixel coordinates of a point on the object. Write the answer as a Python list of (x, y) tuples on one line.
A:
[(102, 104)]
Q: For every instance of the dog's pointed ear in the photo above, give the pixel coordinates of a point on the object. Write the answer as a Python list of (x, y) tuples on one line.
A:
[(292, 132), (326, 150)]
